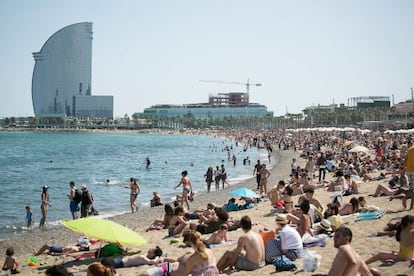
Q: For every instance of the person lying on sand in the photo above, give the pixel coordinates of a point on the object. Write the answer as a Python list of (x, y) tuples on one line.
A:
[(61, 250), (152, 257)]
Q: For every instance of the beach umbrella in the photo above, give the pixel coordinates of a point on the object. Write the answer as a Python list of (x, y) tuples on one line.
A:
[(332, 138), (359, 149), (244, 192), (347, 143), (105, 230)]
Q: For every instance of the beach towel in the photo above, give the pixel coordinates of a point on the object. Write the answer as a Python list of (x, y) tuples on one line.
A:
[(370, 215)]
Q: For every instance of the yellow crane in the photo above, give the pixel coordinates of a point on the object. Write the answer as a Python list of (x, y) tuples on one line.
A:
[(247, 84)]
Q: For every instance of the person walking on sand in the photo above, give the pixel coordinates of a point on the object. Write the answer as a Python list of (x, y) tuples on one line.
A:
[(251, 243), (187, 188), (44, 206), (29, 218), (74, 198), (256, 171), (135, 190), (209, 178)]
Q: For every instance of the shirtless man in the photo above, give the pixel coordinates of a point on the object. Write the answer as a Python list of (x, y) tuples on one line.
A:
[(347, 261), (153, 257), (275, 193), (251, 243)]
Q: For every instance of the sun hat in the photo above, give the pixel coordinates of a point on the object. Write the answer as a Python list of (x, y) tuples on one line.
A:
[(84, 187), (282, 219), (325, 225)]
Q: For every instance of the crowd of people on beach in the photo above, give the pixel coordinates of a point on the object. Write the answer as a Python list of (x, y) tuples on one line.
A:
[(326, 162)]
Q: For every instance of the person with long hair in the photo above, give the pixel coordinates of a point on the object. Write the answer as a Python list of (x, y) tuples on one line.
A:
[(209, 178), (98, 269), (350, 208), (405, 237), (159, 224), (202, 261), (44, 206)]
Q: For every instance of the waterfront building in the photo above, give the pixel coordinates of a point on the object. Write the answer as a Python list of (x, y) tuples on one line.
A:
[(223, 105), (61, 83)]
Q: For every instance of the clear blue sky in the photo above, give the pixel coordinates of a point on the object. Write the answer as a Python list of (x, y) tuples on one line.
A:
[(155, 52)]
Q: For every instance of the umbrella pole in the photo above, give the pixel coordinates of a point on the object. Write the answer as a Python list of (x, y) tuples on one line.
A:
[(99, 250)]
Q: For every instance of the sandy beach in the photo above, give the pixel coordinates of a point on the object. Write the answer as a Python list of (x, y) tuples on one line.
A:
[(26, 244)]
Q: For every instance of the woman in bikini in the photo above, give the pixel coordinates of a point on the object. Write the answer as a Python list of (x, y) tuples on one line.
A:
[(135, 190), (187, 188)]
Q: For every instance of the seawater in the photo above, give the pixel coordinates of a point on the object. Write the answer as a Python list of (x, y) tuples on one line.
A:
[(30, 160)]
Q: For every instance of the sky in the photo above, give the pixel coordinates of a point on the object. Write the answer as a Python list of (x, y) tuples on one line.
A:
[(302, 52)]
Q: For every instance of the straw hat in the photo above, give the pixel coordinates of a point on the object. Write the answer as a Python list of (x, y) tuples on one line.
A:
[(325, 225), (282, 219)]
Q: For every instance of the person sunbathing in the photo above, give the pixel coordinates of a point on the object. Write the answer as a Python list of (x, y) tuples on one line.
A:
[(165, 222), (61, 250), (350, 208), (403, 193), (382, 190), (217, 237), (152, 257), (405, 237)]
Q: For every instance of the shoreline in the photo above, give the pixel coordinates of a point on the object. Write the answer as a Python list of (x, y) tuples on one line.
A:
[(140, 220)]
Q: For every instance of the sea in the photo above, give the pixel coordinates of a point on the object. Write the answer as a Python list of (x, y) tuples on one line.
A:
[(30, 160)]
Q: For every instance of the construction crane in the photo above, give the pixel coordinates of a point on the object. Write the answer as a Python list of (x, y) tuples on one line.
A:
[(247, 84)]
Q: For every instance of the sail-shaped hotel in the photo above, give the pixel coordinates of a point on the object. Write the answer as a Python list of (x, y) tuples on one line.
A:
[(61, 83)]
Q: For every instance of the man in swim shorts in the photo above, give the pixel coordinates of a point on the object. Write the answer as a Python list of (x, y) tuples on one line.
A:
[(152, 257), (249, 253)]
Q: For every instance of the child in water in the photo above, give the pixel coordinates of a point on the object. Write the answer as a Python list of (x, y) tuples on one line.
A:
[(10, 261), (29, 218)]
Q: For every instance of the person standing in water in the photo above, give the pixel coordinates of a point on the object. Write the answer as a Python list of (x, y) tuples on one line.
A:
[(187, 188), (147, 163), (209, 178), (44, 206)]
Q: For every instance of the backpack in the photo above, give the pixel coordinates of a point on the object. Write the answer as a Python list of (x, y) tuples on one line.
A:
[(78, 196), (283, 263)]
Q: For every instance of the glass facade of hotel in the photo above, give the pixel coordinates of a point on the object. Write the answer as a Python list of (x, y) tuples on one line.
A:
[(63, 70), (206, 111)]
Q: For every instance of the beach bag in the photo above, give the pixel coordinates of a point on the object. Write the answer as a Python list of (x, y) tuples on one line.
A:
[(283, 263), (311, 260), (78, 196), (110, 250)]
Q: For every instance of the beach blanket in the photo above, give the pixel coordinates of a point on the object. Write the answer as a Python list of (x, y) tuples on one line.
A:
[(370, 215)]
